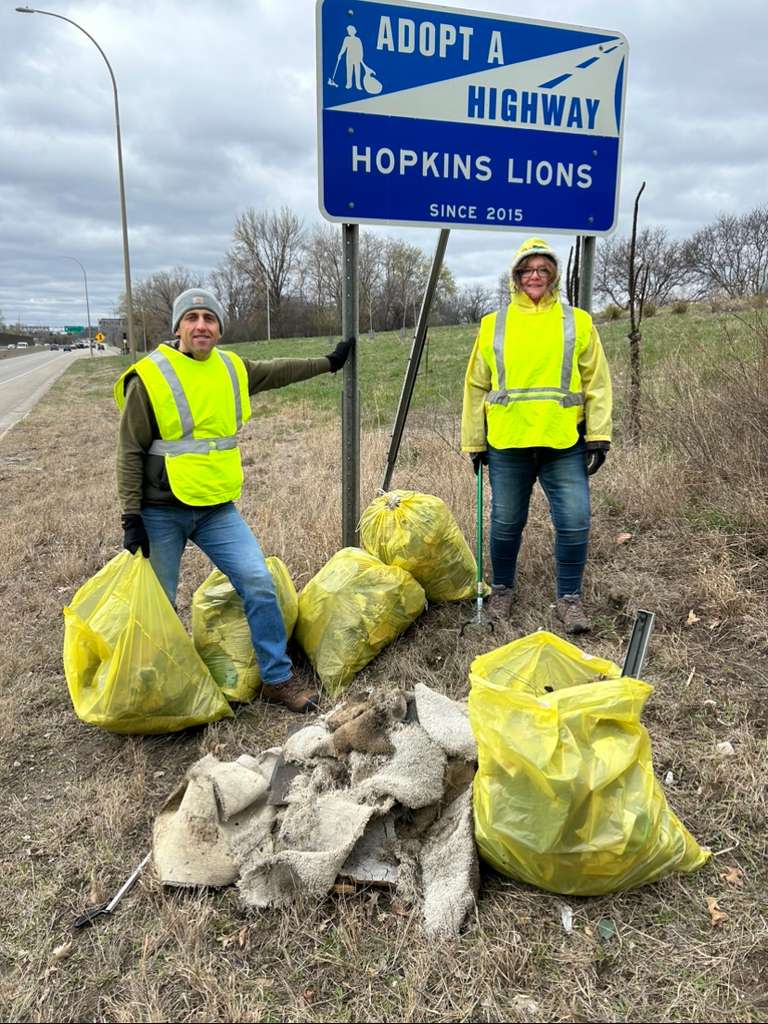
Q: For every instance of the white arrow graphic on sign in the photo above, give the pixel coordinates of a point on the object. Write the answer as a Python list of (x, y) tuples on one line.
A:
[(568, 92)]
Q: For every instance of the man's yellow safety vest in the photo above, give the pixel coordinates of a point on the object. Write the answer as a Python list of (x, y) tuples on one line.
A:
[(199, 406)]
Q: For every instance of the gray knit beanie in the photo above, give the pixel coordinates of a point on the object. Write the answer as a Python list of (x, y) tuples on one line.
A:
[(196, 298)]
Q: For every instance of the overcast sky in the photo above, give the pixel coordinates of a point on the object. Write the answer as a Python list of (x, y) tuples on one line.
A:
[(218, 114)]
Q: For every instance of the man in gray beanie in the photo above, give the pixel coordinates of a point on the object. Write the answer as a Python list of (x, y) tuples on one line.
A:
[(179, 471)]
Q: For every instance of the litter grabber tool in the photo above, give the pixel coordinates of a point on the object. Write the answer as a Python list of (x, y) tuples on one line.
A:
[(333, 76), (106, 908), (480, 619)]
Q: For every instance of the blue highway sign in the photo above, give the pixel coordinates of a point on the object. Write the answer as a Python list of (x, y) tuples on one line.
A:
[(449, 118)]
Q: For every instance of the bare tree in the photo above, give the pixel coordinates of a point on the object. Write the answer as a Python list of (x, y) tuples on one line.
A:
[(268, 247), (502, 289), (731, 255), (637, 289), (662, 258), (153, 300), (242, 301), (322, 275), (370, 272), (473, 302)]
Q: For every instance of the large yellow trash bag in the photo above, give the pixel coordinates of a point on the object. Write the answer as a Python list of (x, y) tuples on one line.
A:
[(351, 610), (221, 633), (130, 665), (418, 533), (565, 797)]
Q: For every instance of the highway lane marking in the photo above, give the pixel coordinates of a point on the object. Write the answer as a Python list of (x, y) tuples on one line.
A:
[(27, 372)]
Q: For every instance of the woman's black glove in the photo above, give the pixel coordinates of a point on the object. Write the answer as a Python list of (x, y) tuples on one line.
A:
[(339, 356), (596, 453), (134, 534), (478, 459)]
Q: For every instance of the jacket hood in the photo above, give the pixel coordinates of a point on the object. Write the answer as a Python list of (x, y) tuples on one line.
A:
[(534, 247)]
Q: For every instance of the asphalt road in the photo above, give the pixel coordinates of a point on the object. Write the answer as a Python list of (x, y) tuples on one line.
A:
[(24, 379)]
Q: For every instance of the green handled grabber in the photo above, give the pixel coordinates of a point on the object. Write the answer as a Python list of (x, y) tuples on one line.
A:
[(480, 619)]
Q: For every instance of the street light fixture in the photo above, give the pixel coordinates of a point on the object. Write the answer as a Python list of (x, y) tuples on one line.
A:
[(123, 218), (87, 303)]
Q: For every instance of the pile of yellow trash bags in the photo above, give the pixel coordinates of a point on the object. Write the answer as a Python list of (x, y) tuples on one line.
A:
[(565, 797), (132, 668)]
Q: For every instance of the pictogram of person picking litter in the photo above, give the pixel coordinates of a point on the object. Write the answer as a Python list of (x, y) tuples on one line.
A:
[(352, 49)]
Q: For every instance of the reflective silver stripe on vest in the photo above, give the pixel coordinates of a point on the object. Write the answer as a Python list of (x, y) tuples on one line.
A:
[(188, 444), (165, 367), (499, 333), (504, 395), (193, 445), (235, 387)]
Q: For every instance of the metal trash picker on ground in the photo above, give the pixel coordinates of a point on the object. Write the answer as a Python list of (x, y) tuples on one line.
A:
[(107, 907)]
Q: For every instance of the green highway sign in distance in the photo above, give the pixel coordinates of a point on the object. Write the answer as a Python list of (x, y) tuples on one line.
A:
[(74, 330)]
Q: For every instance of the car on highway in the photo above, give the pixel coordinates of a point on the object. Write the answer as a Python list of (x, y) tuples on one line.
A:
[(23, 344)]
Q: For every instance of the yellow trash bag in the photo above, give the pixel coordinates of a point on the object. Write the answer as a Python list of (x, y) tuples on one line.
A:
[(565, 797), (130, 664), (221, 633), (418, 533), (351, 610)]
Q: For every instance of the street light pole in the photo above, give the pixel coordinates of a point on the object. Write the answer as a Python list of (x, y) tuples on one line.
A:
[(123, 217), (87, 303)]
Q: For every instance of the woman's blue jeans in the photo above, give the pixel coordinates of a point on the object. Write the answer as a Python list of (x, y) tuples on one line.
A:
[(226, 538), (562, 474)]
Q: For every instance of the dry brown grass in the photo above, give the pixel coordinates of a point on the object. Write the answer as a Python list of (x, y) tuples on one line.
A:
[(80, 802)]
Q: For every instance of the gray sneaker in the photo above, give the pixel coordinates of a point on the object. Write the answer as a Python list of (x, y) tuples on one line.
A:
[(571, 613), (501, 602)]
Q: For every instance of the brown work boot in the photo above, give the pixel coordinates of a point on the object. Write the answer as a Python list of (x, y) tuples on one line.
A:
[(571, 613), (501, 602), (293, 694)]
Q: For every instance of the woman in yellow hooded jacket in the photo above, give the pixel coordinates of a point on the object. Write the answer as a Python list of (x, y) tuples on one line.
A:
[(537, 406)]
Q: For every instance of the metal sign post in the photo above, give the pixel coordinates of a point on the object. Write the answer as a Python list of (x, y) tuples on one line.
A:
[(419, 339), (350, 404), (586, 272)]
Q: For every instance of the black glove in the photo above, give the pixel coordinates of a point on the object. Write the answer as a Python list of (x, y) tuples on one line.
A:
[(478, 459), (338, 357), (596, 453), (134, 534)]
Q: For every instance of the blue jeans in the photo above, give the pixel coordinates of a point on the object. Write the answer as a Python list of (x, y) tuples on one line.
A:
[(562, 474), (226, 538)]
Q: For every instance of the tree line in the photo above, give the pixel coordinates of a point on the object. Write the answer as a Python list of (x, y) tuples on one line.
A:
[(283, 279), (725, 259)]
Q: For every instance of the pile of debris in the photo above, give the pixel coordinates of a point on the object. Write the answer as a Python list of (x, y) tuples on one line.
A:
[(378, 792)]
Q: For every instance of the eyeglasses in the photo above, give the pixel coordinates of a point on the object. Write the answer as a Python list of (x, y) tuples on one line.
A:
[(536, 271)]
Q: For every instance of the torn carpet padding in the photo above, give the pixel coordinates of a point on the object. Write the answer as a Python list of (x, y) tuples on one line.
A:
[(377, 791)]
